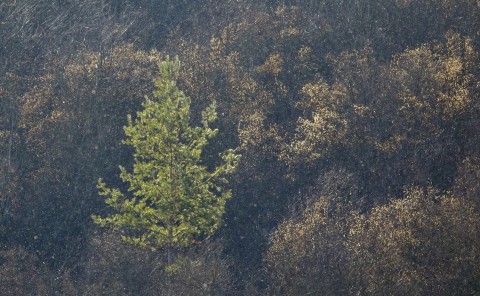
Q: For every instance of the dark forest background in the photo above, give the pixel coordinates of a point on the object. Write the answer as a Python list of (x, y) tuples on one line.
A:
[(358, 122)]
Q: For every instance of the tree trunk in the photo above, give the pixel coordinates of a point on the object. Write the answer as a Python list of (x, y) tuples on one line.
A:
[(170, 248), (170, 256)]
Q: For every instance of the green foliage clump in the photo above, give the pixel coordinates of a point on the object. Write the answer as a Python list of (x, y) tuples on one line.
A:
[(175, 199)]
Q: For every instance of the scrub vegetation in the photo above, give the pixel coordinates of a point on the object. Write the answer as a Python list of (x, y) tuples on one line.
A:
[(291, 147)]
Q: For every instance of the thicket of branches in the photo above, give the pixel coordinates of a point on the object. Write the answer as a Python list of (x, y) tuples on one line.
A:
[(357, 121)]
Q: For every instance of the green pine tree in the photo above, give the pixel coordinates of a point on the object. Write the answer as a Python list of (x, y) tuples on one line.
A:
[(173, 198)]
